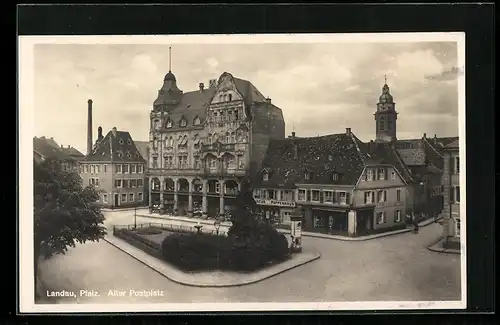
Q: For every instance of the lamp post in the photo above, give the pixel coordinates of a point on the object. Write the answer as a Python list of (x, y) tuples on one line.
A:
[(217, 226), (135, 217)]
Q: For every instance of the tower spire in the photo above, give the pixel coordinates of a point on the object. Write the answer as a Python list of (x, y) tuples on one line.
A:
[(385, 79), (170, 59)]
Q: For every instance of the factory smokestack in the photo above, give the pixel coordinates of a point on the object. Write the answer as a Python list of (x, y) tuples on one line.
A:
[(89, 128)]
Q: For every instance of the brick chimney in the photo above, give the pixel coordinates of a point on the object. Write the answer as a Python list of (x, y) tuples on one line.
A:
[(89, 127), (113, 130), (435, 139), (348, 131), (268, 100), (212, 83), (202, 86), (425, 136)]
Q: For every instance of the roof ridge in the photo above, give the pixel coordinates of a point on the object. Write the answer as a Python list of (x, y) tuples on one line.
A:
[(353, 138), (430, 145)]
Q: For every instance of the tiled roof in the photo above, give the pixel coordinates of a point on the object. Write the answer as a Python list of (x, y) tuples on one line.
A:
[(412, 157), (116, 148), (194, 104), (143, 147), (453, 145), (73, 152), (45, 147), (387, 153), (287, 161)]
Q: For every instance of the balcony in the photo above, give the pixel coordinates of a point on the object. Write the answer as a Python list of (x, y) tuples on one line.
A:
[(217, 147), (218, 171)]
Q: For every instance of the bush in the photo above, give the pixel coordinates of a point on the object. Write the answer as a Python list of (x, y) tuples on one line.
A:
[(149, 231)]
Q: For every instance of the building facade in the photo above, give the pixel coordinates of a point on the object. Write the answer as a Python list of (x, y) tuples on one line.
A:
[(204, 142), (114, 166), (451, 191), (68, 157), (342, 185)]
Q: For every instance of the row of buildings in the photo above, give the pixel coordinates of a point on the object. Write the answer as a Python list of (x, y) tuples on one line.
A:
[(204, 143)]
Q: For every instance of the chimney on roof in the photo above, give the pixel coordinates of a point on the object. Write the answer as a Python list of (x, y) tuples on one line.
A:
[(43, 137), (425, 136), (202, 86), (371, 146), (268, 100), (348, 131), (293, 134), (435, 139), (51, 138), (62, 146), (212, 83), (89, 127), (68, 146), (113, 130)]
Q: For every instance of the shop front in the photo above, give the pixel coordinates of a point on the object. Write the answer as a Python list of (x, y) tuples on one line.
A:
[(326, 220), (275, 211)]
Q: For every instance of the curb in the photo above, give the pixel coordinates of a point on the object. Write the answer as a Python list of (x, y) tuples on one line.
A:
[(424, 223), (190, 284), (123, 209), (434, 248)]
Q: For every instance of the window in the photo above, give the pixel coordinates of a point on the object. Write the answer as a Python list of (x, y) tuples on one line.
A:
[(342, 197), (197, 163), (97, 169), (328, 196), (381, 125), (369, 197), (397, 216), (139, 169), (369, 174), (196, 121), (230, 97), (105, 198), (265, 176), (380, 218), (457, 227), (132, 169), (217, 187), (96, 182), (129, 142), (118, 169), (125, 169), (121, 141), (335, 177), (287, 196), (381, 196), (183, 123), (125, 183), (393, 174), (92, 169), (301, 195), (118, 183), (457, 165), (169, 162), (139, 182), (457, 194), (86, 168), (315, 195), (308, 176), (140, 197), (389, 125), (133, 183), (154, 163), (105, 168), (257, 193), (124, 197), (169, 124), (131, 197), (381, 174), (398, 195)]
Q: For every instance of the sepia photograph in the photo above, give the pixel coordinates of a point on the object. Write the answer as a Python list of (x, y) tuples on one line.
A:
[(242, 172)]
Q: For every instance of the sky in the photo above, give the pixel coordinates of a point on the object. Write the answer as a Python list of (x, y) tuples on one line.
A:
[(322, 88)]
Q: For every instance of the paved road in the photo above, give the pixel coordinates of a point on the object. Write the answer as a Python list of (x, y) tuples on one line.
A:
[(398, 267)]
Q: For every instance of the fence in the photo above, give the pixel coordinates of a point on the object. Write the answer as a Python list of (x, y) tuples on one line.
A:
[(168, 227)]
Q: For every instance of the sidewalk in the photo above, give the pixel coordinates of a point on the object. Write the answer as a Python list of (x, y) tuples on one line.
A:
[(438, 248), (214, 278), (125, 209), (227, 224)]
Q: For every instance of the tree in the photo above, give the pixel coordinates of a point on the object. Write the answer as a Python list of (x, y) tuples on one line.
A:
[(243, 214), (64, 211)]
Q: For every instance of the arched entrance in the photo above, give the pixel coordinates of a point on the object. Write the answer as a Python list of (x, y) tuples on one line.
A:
[(182, 196), (168, 195), (155, 186), (213, 198), (197, 196)]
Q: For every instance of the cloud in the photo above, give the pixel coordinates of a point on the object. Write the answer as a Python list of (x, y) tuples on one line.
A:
[(321, 88)]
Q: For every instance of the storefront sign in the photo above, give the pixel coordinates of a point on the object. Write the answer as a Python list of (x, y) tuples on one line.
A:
[(275, 203)]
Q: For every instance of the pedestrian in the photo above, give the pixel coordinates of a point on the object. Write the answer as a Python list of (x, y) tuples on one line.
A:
[(415, 227)]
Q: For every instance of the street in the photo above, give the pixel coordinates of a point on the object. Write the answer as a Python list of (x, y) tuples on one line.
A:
[(398, 267)]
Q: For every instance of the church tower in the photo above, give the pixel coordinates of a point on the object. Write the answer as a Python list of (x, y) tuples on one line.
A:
[(385, 116), (169, 95)]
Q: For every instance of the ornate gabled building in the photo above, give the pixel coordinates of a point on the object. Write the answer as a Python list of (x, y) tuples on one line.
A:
[(204, 142)]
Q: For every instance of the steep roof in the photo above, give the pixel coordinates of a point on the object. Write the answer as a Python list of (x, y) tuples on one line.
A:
[(45, 147), (287, 161), (249, 92), (118, 147), (453, 145), (143, 147), (73, 152), (388, 154)]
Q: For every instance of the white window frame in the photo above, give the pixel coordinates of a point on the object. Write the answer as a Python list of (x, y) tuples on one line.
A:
[(121, 183), (304, 198), (105, 168), (381, 196), (393, 174), (381, 176), (342, 199), (265, 176), (377, 220), (119, 169), (128, 169), (312, 195), (140, 196), (369, 199), (326, 195), (122, 196), (369, 174), (131, 195), (140, 180), (96, 182), (398, 195), (139, 169), (135, 169), (397, 217)]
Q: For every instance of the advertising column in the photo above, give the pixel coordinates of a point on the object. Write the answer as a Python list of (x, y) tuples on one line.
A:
[(296, 230)]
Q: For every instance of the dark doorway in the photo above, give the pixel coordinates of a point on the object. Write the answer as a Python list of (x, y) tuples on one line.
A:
[(116, 200)]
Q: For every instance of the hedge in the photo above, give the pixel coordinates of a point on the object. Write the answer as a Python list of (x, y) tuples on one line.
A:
[(194, 252)]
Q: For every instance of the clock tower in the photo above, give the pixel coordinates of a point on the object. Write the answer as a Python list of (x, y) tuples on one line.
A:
[(385, 116)]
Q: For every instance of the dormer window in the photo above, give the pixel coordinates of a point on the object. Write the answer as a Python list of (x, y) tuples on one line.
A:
[(265, 176), (129, 155), (129, 142), (120, 154), (169, 124), (308, 175), (120, 142), (183, 123), (196, 121), (335, 176)]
